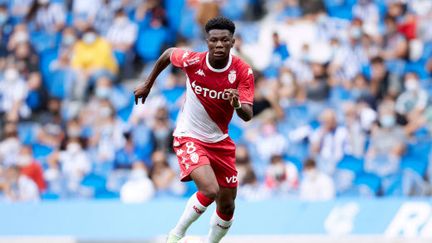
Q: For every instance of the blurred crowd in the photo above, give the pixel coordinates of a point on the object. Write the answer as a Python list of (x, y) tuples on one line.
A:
[(342, 101)]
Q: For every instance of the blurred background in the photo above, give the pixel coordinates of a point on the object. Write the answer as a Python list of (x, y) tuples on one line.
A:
[(341, 134)]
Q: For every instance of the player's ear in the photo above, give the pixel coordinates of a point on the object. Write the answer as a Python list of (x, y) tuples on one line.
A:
[(232, 41)]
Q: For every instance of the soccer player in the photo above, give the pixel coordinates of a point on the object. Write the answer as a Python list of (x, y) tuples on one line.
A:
[(218, 84)]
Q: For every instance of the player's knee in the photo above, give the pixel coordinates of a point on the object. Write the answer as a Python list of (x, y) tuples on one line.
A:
[(227, 208), (211, 192)]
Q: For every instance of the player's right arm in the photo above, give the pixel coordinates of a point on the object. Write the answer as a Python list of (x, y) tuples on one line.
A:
[(143, 89)]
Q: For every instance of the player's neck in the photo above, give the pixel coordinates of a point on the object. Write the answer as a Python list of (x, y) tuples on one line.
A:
[(218, 64)]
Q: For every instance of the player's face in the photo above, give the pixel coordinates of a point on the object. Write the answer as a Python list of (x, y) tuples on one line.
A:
[(219, 44)]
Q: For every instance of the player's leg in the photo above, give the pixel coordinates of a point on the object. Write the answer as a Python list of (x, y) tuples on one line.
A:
[(222, 218), (208, 190)]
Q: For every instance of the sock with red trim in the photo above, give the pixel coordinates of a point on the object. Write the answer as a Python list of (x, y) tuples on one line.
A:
[(219, 226), (195, 207)]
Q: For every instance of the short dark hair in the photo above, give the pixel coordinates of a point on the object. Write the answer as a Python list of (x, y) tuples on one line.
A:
[(220, 23), (309, 163)]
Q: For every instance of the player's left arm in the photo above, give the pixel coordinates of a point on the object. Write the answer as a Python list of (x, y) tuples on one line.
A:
[(242, 97)]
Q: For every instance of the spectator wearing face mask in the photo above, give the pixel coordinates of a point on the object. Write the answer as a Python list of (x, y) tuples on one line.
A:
[(122, 36), (139, 188), (387, 143), (10, 144), (19, 35), (92, 57), (12, 103), (413, 101), (316, 185), (106, 89), (328, 143), (48, 16), (281, 176), (18, 187), (74, 163), (30, 167)]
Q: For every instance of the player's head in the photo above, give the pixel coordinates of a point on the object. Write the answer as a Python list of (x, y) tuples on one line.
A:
[(219, 36)]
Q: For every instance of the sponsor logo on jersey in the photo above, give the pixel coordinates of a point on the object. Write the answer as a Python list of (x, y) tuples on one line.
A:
[(232, 179), (191, 61), (206, 92), (200, 72), (232, 76)]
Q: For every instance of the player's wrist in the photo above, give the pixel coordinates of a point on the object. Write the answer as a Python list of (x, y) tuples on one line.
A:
[(236, 107)]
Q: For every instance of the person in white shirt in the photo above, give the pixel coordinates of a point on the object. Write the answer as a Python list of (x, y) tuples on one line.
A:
[(74, 162), (139, 188), (328, 142), (316, 185), (19, 187)]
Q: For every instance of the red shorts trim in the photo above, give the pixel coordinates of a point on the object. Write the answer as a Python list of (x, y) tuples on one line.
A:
[(193, 153)]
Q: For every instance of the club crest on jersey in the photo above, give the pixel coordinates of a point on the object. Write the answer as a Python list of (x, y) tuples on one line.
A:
[(232, 76)]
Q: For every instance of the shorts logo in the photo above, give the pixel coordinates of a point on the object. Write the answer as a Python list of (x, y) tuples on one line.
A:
[(194, 158), (180, 152), (176, 143), (232, 76), (232, 179)]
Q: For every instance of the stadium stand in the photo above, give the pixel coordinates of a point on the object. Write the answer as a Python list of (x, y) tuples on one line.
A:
[(344, 85)]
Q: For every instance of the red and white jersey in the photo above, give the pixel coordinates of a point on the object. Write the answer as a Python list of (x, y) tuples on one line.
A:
[(207, 112)]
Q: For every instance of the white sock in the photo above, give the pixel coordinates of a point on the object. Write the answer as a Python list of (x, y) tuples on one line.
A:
[(218, 228), (194, 209)]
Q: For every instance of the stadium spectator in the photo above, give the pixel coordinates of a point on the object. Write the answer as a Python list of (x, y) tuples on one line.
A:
[(30, 167), (395, 45), (315, 185), (106, 89), (412, 102), (162, 130), (281, 176), (163, 176), (18, 187), (139, 188), (251, 189), (243, 162), (387, 143), (13, 103), (122, 34), (328, 142), (384, 83), (126, 155), (104, 16), (355, 142), (48, 17), (92, 45), (74, 163), (10, 144), (270, 141)]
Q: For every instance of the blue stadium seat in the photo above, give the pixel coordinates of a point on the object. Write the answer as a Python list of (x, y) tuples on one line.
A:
[(150, 42), (235, 132), (50, 196), (369, 181), (351, 163), (41, 150), (94, 182)]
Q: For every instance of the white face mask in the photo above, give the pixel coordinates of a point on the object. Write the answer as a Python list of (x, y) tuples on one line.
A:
[(89, 38), (411, 84), (11, 75), (24, 160), (73, 148), (21, 37), (121, 20)]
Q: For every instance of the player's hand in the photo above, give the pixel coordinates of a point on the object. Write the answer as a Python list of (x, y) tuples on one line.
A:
[(233, 97), (141, 91)]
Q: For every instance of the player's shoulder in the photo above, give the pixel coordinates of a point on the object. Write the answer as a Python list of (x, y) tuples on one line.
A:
[(188, 57), (241, 65)]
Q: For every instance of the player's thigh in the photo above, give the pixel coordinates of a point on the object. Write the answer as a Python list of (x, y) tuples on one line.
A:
[(226, 200), (205, 179)]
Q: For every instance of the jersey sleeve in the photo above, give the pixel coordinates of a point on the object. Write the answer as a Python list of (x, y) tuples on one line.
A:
[(180, 58), (246, 87)]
